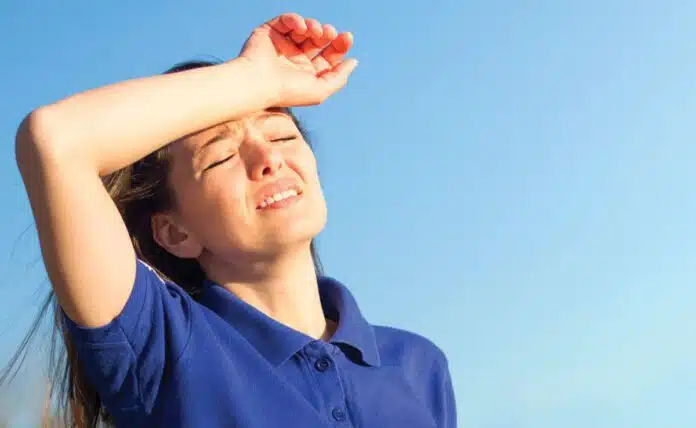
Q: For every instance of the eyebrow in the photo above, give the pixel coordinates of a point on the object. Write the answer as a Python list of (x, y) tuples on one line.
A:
[(226, 131), (219, 136)]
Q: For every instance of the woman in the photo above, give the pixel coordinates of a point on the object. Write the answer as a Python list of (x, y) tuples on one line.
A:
[(176, 216)]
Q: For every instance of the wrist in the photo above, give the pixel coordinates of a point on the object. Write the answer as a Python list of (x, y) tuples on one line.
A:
[(260, 79)]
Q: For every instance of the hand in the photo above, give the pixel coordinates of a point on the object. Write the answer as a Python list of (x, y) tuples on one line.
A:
[(301, 57)]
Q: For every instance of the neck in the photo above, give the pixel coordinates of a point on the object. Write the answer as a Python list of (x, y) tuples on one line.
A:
[(283, 287)]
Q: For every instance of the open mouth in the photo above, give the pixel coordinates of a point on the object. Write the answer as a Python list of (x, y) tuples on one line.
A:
[(280, 199)]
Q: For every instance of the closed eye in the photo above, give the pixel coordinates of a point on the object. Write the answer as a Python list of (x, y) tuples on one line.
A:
[(290, 138), (216, 163)]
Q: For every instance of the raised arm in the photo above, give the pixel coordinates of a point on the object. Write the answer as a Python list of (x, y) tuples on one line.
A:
[(64, 148)]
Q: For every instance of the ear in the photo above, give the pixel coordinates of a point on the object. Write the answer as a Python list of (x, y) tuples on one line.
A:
[(171, 235)]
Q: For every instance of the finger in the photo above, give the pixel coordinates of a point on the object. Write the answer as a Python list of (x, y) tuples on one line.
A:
[(278, 25), (297, 38), (311, 41), (332, 54), (316, 39), (337, 76), (314, 28), (294, 22), (313, 31), (288, 22), (329, 31), (311, 47), (283, 45)]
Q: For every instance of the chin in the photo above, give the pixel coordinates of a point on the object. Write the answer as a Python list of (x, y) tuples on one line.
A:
[(295, 235)]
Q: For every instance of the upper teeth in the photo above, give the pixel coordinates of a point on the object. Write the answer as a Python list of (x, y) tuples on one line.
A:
[(278, 197)]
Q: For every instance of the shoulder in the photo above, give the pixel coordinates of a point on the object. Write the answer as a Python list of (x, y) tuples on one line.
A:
[(401, 346), (153, 300), (149, 276)]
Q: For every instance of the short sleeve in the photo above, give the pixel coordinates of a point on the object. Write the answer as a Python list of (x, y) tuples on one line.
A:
[(125, 359), (445, 405)]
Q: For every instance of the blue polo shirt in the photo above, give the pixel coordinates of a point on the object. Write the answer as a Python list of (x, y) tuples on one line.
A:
[(171, 361)]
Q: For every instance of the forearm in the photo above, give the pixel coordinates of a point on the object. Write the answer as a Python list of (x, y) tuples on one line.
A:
[(113, 126)]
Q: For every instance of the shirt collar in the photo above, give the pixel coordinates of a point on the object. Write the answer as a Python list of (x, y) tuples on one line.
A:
[(353, 330), (277, 342)]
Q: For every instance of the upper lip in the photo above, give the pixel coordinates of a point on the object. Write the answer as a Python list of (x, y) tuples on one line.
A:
[(278, 186)]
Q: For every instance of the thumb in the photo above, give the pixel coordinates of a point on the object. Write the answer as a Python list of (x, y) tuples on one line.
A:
[(337, 76)]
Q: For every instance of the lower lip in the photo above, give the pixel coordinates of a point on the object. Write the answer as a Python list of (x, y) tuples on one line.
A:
[(281, 204)]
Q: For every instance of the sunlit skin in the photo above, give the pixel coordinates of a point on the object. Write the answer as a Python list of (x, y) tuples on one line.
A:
[(247, 198), (218, 175), (262, 255)]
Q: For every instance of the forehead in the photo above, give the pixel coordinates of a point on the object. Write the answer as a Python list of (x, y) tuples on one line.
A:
[(190, 144)]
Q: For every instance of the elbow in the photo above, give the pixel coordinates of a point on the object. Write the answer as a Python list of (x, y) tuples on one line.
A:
[(36, 140)]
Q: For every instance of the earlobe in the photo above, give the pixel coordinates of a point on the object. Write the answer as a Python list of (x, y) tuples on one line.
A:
[(173, 237)]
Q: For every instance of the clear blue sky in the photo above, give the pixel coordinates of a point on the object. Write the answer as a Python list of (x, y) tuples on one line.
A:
[(514, 180)]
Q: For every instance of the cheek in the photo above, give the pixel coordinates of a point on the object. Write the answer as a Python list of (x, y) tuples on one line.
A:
[(305, 164), (214, 200), (306, 167), (226, 194)]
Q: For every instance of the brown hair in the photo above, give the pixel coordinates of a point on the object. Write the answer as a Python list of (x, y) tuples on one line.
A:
[(139, 191)]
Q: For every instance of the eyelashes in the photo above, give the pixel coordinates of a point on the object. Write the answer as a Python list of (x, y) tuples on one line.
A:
[(216, 163), (290, 138), (275, 140)]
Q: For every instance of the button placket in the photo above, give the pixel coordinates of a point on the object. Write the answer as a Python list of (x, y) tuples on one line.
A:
[(322, 364), (327, 375), (338, 414)]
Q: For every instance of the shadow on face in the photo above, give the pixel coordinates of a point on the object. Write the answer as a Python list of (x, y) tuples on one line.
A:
[(244, 188)]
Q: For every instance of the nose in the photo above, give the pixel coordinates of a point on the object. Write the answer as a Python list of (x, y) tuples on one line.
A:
[(262, 158)]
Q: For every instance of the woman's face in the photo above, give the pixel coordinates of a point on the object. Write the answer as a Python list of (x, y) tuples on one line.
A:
[(248, 187)]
